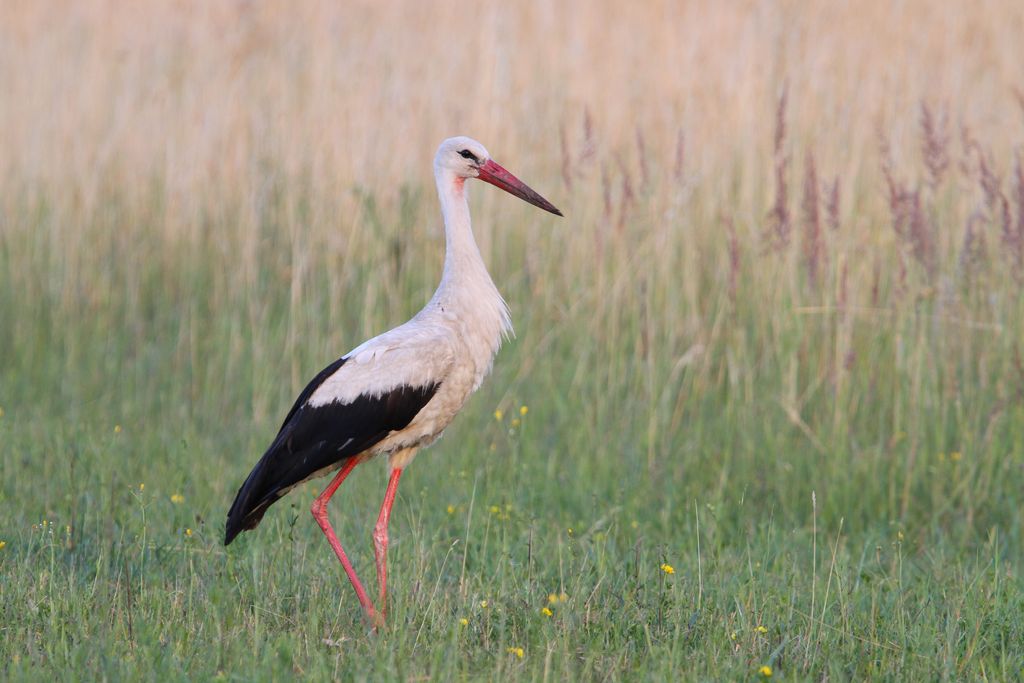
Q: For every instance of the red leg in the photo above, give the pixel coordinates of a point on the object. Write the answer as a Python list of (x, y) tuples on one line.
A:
[(319, 510), (380, 537)]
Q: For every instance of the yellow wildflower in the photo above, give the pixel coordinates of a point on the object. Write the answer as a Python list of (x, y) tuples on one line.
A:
[(177, 499), (899, 535), (516, 422), (761, 629), (117, 429), (142, 487), (483, 604), (668, 569), (451, 509), (495, 510), (765, 671), (188, 533), (634, 524), (464, 621), (3, 544), (552, 598), (517, 651), (733, 635), (498, 415), (546, 612), (523, 410)]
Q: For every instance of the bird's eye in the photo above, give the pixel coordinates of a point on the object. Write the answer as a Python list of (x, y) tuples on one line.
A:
[(466, 154)]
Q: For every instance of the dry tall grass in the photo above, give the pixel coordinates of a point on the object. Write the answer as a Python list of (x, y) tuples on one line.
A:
[(206, 95), (824, 160), (841, 161)]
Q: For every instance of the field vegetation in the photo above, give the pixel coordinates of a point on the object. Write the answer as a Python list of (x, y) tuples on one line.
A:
[(763, 415)]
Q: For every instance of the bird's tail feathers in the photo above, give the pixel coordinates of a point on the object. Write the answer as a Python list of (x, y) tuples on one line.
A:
[(250, 502)]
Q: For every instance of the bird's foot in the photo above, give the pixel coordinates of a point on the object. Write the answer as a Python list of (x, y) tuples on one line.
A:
[(376, 619)]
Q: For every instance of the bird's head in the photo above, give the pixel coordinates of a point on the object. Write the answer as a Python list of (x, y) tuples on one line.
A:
[(466, 158)]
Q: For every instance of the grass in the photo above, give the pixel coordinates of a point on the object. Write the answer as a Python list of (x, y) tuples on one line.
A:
[(774, 346)]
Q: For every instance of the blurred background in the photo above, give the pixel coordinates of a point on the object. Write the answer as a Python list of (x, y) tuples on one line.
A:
[(792, 261)]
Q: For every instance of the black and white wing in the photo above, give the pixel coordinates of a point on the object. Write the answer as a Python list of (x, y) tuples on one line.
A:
[(350, 406)]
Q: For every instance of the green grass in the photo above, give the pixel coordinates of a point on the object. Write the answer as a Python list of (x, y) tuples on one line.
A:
[(837, 493)]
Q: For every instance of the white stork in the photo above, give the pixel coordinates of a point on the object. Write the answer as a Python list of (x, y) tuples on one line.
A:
[(397, 392)]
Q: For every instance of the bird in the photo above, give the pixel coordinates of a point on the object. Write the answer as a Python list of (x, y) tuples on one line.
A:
[(397, 392)]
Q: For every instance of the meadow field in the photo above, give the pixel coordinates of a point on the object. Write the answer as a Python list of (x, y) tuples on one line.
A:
[(763, 415)]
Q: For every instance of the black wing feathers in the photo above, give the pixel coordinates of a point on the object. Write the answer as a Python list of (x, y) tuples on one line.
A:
[(313, 385), (315, 438)]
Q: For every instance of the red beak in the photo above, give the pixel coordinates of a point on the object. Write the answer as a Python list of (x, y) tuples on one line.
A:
[(494, 174)]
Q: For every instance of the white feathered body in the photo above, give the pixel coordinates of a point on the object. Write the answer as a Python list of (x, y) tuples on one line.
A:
[(452, 342)]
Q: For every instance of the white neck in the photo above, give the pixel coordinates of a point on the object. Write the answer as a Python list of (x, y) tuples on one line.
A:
[(466, 293)]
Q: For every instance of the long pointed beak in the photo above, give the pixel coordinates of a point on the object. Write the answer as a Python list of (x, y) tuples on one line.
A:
[(494, 174)]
